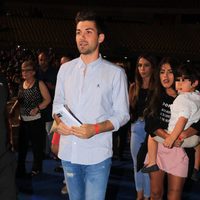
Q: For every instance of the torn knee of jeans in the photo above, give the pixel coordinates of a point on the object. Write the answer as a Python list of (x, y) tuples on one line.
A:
[(70, 174)]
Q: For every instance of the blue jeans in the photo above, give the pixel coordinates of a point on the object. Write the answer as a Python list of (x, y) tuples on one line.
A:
[(87, 182), (138, 134)]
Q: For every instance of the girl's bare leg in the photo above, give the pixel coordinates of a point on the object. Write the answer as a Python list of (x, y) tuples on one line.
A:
[(157, 184), (197, 157), (175, 187)]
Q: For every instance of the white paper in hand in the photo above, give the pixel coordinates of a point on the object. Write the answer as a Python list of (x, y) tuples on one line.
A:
[(67, 116)]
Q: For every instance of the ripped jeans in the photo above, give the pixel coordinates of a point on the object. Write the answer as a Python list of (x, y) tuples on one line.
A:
[(138, 134), (87, 182)]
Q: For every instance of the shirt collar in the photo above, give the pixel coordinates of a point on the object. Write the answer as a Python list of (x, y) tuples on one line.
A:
[(81, 64)]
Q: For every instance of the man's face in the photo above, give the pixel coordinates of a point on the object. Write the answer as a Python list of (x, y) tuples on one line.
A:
[(42, 60), (87, 37)]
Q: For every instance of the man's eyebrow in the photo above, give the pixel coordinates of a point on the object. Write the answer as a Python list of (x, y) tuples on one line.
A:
[(78, 29), (89, 28)]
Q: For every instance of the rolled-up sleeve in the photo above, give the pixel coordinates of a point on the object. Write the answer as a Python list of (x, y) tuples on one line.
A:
[(120, 115), (59, 91)]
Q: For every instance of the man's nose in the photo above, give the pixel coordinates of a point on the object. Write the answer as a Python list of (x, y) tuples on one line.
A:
[(82, 35)]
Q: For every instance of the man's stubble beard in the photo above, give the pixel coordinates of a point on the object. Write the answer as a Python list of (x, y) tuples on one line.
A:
[(87, 51)]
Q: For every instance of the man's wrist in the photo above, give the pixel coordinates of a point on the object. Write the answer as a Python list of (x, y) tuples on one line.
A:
[(96, 127)]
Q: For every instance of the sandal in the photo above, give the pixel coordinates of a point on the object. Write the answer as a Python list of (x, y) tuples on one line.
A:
[(149, 169)]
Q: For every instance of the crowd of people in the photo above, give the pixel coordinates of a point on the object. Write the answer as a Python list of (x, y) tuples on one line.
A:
[(162, 106)]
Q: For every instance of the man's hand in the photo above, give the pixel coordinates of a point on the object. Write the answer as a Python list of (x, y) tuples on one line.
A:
[(85, 131), (61, 127)]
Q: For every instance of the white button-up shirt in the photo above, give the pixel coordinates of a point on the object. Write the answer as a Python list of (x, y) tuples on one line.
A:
[(94, 93), (186, 105)]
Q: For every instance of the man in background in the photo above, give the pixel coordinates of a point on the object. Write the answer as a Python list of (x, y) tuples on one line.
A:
[(48, 75)]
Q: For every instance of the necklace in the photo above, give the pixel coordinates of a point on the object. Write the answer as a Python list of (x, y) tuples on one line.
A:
[(28, 85)]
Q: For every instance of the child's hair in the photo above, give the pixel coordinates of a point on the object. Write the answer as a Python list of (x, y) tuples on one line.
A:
[(188, 71)]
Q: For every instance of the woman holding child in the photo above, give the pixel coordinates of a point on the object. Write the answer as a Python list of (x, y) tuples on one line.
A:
[(168, 160)]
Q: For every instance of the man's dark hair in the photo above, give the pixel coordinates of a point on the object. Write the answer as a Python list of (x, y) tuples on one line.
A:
[(89, 15)]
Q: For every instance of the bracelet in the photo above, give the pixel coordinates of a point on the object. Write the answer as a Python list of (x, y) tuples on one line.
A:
[(180, 138), (96, 126)]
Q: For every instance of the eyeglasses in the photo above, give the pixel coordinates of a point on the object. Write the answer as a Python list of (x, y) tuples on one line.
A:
[(182, 78), (26, 70)]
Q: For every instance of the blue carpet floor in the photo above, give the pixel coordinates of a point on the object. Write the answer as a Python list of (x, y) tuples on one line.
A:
[(47, 185)]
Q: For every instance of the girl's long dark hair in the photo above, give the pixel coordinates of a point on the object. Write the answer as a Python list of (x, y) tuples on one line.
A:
[(155, 98)]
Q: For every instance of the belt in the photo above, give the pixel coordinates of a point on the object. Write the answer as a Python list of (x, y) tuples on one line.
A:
[(31, 118)]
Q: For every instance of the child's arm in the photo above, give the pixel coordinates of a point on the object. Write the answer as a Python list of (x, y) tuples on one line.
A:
[(162, 133), (179, 127)]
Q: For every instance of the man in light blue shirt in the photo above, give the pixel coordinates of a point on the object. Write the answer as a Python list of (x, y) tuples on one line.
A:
[(95, 90)]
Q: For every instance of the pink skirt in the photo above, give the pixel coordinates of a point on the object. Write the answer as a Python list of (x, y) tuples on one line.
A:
[(173, 161)]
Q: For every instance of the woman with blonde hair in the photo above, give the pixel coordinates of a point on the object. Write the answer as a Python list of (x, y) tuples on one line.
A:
[(33, 97)]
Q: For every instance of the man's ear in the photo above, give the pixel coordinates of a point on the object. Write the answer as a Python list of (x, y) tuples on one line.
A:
[(101, 37), (195, 84)]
